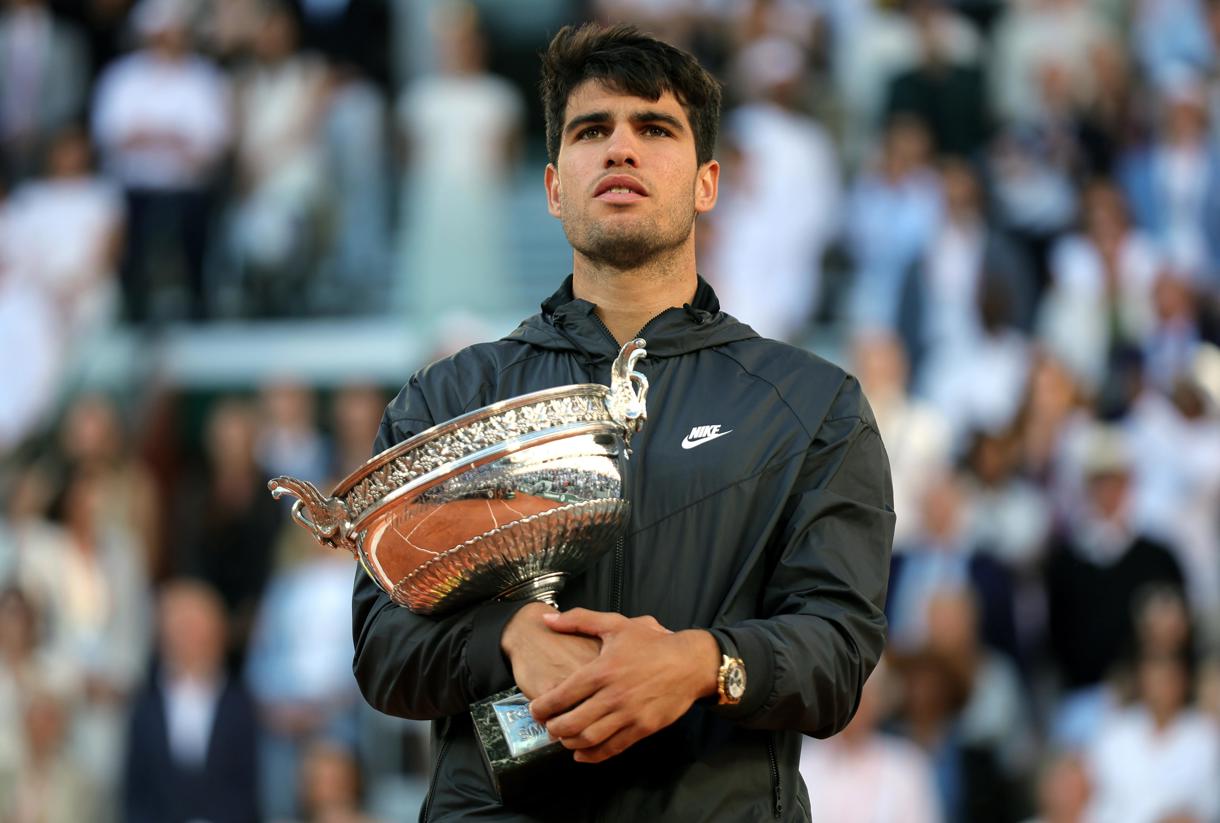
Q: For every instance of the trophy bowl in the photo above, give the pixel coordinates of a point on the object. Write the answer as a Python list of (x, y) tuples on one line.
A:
[(503, 502)]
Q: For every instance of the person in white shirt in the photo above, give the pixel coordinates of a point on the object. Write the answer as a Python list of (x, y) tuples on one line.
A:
[(1157, 760), (776, 219), (70, 223), (863, 776), (162, 122)]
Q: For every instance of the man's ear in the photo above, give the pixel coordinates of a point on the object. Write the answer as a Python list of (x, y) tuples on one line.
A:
[(551, 176), (707, 186)]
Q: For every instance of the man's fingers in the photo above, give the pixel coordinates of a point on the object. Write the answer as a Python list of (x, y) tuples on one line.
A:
[(584, 621), (579, 718), (579, 686), (617, 744), (652, 623), (592, 734)]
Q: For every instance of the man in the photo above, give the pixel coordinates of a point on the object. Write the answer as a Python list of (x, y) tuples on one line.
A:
[(760, 525)]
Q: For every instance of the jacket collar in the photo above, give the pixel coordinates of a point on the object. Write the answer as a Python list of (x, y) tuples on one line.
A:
[(569, 323)]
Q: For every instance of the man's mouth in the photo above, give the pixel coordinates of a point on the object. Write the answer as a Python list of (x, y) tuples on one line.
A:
[(620, 189)]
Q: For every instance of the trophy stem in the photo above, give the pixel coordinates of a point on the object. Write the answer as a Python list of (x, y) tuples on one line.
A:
[(545, 589)]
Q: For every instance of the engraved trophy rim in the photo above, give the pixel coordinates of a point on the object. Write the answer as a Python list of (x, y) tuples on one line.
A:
[(497, 451), (391, 454)]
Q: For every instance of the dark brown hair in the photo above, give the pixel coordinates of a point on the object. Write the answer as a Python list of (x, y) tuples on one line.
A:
[(627, 61)]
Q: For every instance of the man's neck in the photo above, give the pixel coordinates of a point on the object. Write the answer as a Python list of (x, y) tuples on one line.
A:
[(627, 299)]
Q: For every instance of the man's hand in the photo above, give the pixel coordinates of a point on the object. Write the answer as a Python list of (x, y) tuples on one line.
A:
[(540, 656), (644, 679)]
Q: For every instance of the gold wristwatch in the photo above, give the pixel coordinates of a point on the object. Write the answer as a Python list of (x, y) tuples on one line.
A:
[(731, 680)]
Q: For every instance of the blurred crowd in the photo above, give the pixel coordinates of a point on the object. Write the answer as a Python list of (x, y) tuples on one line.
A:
[(1002, 216)]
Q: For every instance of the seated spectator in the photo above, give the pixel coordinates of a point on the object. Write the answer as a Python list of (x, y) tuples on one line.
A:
[(27, 665), (161, 121), (1094, 573), (355, 417), (1157, 760), (969, 783), (281, 100), (457, 181), (192, 751), (1175, 339), (76, 268), (1169, 35), (1100, 299), (1064, 791), (916, 435), (93, 432), (891, 217), (227, 521), (1054, 401), (1034, 33), (947, 95), (1176, 500), (995, 721), (1006, 513), (330, 785), (941, 557), (299, 669), (1163, 625), (44, 75), (979, 385), (863, 775), (88, 579), (873, 43), (47, 785), (1173, 183), (967, 255), (289, 440), (779, 211)]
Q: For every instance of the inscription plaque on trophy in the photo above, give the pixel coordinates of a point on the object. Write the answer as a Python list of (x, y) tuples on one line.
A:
[(502, 503)]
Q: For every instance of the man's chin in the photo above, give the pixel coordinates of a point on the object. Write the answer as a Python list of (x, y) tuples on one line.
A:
[(626, 249), (624, 254)]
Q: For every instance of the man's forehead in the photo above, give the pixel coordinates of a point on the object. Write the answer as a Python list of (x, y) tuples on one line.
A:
[(596, 95)]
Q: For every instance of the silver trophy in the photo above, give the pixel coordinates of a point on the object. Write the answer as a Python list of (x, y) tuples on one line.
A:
[(503, 502)]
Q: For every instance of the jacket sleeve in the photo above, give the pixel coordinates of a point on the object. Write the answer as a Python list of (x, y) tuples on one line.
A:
[(822, 627), (419, 666)]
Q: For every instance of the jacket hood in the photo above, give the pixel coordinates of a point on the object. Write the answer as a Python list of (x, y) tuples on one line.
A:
[(567, 323)]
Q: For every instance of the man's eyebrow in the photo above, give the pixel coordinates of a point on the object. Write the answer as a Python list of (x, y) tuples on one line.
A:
[(650, 116), (586, 119), (646, 116)]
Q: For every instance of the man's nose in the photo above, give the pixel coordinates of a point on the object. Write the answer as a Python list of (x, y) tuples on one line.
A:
[(622, 149)]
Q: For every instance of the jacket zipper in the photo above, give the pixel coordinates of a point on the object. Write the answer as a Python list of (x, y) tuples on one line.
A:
[(775, 785), (606, 329), (616, 578), (436, 773), (620, 560)]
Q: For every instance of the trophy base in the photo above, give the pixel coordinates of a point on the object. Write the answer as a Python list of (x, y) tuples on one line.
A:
[(513, 744), (544, 588)]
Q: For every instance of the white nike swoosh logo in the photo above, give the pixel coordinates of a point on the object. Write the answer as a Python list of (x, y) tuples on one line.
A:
[(687, 443)]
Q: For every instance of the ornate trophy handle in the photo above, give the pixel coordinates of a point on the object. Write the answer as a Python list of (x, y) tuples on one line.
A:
[(323, 517), (627, 401)]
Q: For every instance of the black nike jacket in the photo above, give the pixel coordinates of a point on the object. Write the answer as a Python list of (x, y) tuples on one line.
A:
[(775, 534)]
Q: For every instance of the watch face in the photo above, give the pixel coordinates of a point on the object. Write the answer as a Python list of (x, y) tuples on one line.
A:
[(735, 681)]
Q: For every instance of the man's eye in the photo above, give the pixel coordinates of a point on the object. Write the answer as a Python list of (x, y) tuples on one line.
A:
[(592, 131), (656, 131)]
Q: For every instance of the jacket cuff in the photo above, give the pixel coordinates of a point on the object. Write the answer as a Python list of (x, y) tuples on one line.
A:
[(760, 671), (489, 669)]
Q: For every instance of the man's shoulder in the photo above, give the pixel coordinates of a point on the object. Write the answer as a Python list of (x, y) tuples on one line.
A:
[(814, 388), (458, 382), (474, 362)]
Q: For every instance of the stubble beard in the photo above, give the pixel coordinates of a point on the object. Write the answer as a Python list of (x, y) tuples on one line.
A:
[(630, 247)]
